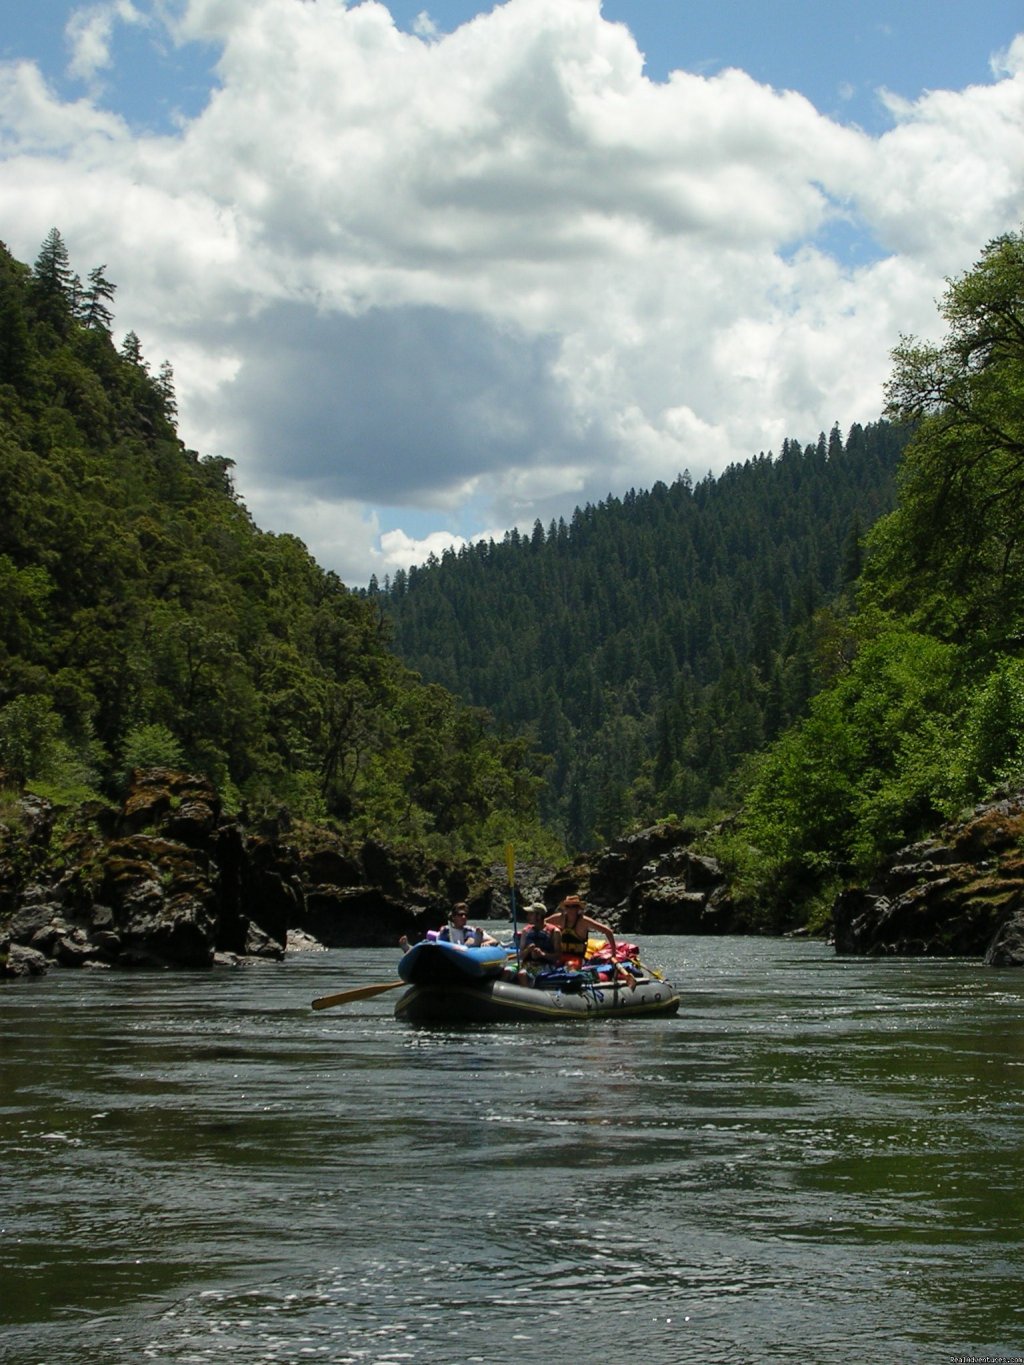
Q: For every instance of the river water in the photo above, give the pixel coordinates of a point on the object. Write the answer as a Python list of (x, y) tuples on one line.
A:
[(817, 1160)]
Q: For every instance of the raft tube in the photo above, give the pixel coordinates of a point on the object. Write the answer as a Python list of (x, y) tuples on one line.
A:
[(490, 1001), (438, 963)]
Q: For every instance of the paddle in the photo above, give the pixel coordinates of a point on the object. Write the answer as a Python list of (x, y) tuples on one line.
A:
[(325, 1002), (510, 867)]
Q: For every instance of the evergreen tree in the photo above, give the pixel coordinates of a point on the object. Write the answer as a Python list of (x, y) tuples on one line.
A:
[(165, 388), (54, 284), (15, 341), (131, 349), (94, 311)]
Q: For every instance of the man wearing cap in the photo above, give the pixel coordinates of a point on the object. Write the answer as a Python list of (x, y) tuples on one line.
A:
[(538, 946)]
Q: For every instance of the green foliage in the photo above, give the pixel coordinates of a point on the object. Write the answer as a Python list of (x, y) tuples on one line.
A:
[(867, 767), (29, 732), (991, 748), (651, 643), (145, 620), (952, 554), (925, 714), (151, 746)]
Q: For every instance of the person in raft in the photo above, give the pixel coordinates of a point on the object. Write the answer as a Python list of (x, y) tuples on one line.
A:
[(539, 946), (573, 925), (457, 931)]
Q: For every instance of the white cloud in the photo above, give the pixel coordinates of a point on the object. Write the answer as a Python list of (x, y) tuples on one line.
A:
[(499, 266), (424, 26), (90, 31), (399, 550)]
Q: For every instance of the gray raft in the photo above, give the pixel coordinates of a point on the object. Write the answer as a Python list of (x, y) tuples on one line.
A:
[(495, 1001)]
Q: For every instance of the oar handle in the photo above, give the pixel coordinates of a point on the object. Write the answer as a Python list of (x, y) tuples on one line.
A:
[(326, 1002)]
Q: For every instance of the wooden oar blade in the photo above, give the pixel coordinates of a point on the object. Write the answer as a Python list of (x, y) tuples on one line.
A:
[(325, 1002)]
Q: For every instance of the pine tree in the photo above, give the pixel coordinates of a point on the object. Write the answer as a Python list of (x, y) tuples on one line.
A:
[(94, 310), (165, 388), (53, 283), (15, 348), (131, 349)]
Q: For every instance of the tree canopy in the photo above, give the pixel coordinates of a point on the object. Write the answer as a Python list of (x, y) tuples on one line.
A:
[(926, 712), (654, 640), (145, 619)]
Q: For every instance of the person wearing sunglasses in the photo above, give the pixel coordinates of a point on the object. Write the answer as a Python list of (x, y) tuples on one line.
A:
[(459, 930)]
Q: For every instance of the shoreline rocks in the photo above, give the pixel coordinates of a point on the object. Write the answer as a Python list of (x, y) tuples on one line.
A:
[(652, 882), (168, 880), (958, 895)]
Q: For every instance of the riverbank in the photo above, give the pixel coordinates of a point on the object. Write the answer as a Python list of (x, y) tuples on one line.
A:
[(168, 879)]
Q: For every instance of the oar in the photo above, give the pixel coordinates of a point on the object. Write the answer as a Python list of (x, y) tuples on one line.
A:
[(510, 867), (325, 1002)]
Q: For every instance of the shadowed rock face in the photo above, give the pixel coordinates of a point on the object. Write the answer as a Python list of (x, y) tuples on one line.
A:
[(960, 895), (168, 880), (652, 882)]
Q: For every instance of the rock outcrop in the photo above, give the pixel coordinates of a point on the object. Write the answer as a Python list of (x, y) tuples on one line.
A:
[(167, 879), (958, 895), (653, 882)]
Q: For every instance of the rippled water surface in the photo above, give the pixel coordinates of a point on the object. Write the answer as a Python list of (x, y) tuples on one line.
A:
[(817, 1160)]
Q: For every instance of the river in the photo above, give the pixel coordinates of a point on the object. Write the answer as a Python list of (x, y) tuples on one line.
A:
[(819, 1159)]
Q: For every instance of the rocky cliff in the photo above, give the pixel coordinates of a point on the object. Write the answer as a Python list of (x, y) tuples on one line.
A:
[(167, 879), (652, 882), (959, 894)]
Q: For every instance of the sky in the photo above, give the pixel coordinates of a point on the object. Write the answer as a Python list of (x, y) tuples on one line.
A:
[(429, 271)]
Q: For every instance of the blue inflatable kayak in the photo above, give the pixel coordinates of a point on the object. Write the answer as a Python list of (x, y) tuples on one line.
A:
[(437, 963)]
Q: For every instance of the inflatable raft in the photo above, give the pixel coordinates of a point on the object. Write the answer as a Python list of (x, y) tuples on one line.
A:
[(495, 1001), (437, 963), (454, 985)]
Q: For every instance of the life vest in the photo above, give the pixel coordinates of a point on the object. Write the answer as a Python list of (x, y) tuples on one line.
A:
[(539, 938), (574, 940), (468, 937)]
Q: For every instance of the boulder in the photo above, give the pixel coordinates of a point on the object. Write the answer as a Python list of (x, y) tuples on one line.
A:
[(159, 795), (176, 931), (1007, 947), (331, 867), (959, 895), (651, 882), (667, 905), (19, 961), (351, 917)]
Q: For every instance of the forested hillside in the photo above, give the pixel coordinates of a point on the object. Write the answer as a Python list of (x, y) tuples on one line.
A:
[(654, 640), (829, 651), (145, 619), (926, 714)]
